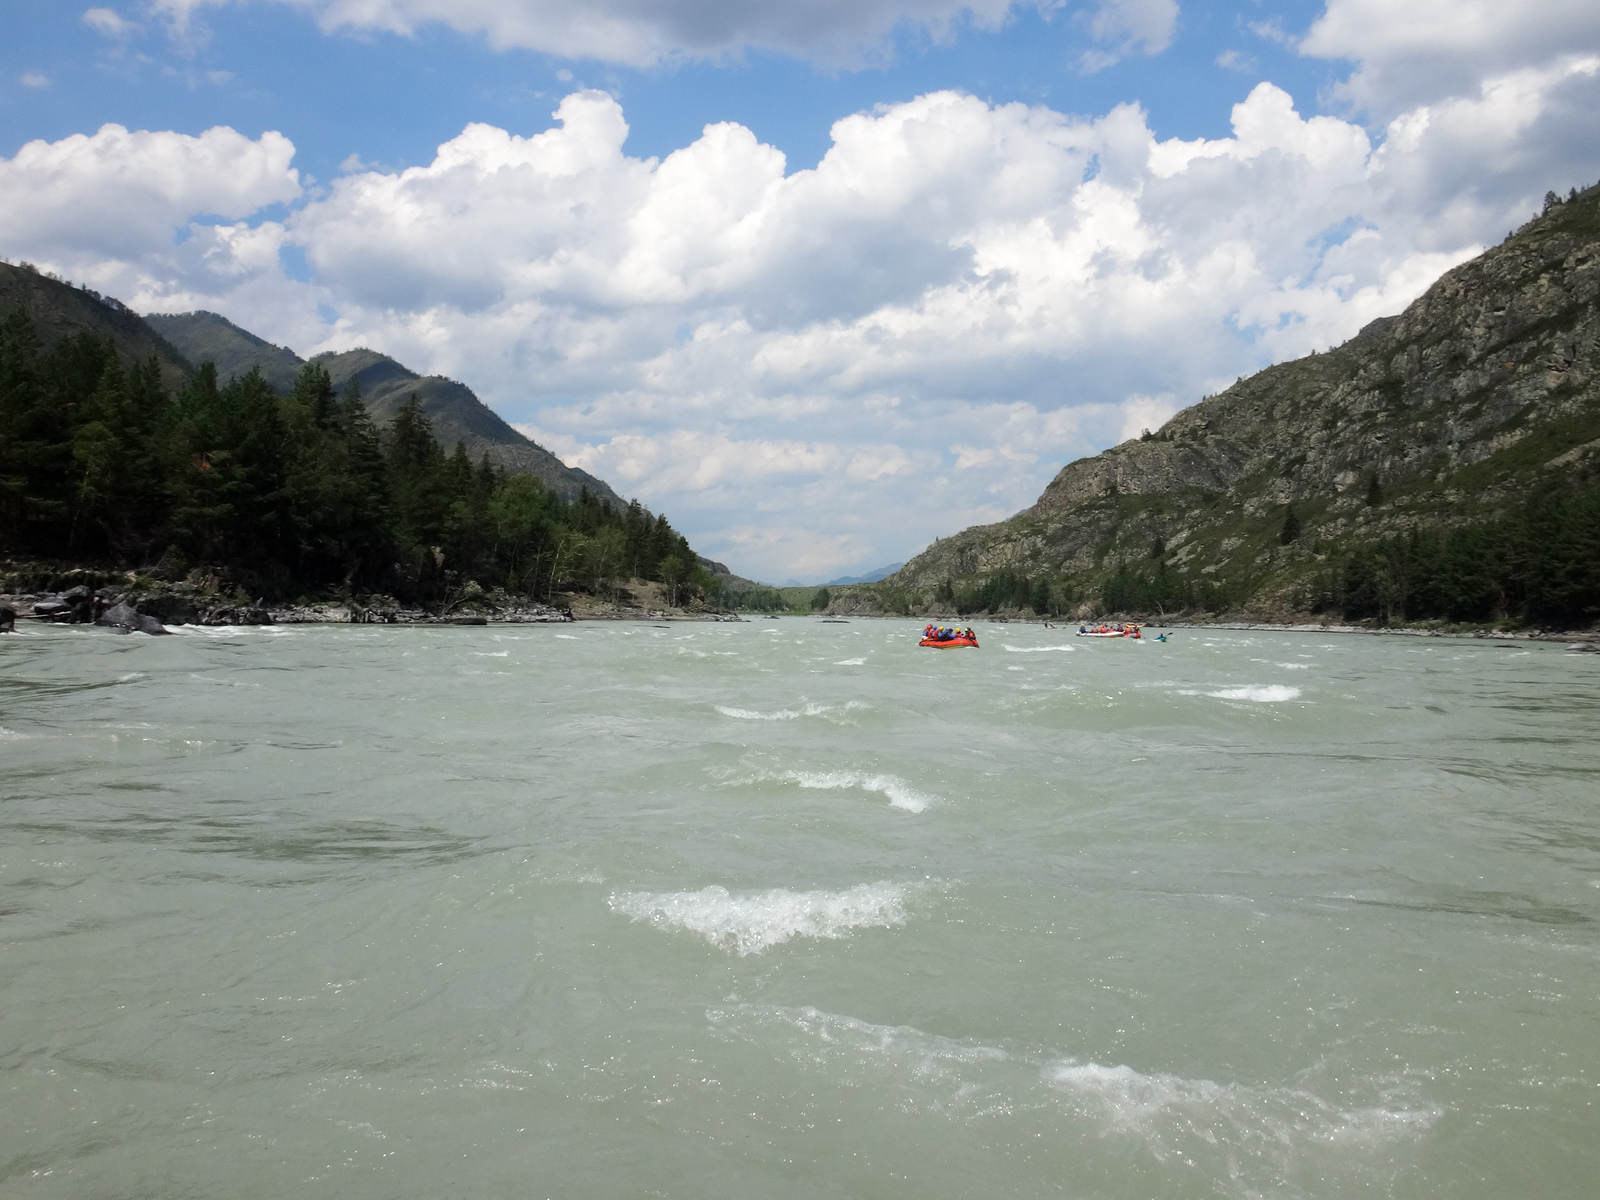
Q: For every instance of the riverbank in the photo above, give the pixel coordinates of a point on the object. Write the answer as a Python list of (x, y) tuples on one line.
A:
[(83, 598)]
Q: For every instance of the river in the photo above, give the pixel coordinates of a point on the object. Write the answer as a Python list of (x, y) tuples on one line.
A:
[(794, 909)]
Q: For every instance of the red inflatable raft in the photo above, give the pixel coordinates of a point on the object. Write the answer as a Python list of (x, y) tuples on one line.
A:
[(948, 642)]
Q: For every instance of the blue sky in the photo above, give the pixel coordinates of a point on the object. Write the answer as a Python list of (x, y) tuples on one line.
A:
[(1000, 236), (392, 99)]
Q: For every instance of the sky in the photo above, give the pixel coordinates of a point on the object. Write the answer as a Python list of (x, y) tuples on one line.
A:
[(820, 280)]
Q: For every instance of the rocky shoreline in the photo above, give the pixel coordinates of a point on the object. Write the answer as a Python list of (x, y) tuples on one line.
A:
[(131, 609)]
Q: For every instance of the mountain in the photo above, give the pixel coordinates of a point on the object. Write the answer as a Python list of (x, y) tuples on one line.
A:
[(1454, 421), (872, 576), (205, 336), (458, 415), (455, 411), (61, 310)]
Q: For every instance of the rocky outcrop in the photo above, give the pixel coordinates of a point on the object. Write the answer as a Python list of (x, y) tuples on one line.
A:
[(1484, 390), (124, 618)]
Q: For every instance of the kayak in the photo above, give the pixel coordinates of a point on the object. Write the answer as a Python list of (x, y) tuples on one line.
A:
[(948, 642)]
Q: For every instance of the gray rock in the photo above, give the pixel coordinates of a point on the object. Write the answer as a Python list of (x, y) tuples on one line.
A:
[(8, 619), (229, 614), (124, 618), (74, 604), (169, 608)]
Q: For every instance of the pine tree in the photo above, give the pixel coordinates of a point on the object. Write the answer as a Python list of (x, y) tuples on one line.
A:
[(1291, 525)]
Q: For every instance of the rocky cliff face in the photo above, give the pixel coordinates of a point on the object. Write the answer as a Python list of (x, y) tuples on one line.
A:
[(1483, 390)]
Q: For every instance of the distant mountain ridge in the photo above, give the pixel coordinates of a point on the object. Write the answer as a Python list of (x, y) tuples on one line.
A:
[(872, 576), (456, 413)]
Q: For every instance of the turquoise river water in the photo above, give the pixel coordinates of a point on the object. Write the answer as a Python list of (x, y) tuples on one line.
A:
[(792, 909)]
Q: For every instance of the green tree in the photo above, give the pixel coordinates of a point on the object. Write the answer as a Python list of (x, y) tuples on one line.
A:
[(1291, 525)]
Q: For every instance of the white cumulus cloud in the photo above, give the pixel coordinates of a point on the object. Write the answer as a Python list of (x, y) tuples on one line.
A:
[(1423, 51)]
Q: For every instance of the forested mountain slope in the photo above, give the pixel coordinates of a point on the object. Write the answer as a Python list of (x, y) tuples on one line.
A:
[(458, 415), (59, 310), (1442, 463), (452, 408), (207, 337)]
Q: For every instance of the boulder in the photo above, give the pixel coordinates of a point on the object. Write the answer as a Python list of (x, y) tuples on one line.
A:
[(74, 604), (169, 608), (124, 618), (8, 619)]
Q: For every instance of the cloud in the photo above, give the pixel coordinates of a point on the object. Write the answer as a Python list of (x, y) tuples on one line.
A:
[(643, 33), (1424, 51), (108, 22), (1141, 413), (33, 79), (812, 371), (1131, 26), (121, 194)]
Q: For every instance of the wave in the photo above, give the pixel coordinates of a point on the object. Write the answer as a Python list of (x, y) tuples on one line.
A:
[(1035, 649), (1224, 1129), (749, 714), (899, 792), (1265, 693), (832, 712), (751, 922), (851, 662)]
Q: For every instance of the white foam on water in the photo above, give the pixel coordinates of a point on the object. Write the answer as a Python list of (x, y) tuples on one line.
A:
[(490, 653), (1265, 693), (899, 792), (1034, 649), (230, 631), (851, 662), (749, 714), (131, 677), (1167, 1111), (11, 735), (1295, 666), (567, 637), (1248, 1136), (837, 713), (753, 922)]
